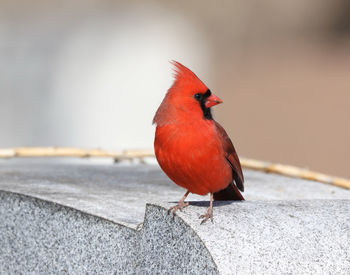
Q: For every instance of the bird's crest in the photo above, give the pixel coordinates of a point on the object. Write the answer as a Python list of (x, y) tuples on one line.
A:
[(184, 76), (186, 84)]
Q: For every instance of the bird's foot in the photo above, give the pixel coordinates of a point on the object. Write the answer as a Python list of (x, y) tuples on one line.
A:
[(208, 215), (181, 205)]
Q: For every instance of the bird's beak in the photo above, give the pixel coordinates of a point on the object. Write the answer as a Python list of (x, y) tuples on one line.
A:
[(212, 101)]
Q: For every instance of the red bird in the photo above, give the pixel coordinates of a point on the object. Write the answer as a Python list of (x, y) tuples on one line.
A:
[(191, 147)]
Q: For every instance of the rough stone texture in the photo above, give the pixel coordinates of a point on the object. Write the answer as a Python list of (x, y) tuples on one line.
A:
[(40, 237), (120, 192), (171, 246), (80, 217), (276, 237)]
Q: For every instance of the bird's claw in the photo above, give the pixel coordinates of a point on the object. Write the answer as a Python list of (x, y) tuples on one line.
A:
[(207, 216), (179, 206)]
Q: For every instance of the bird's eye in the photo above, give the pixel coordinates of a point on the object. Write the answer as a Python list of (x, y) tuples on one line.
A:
[(198, 96)]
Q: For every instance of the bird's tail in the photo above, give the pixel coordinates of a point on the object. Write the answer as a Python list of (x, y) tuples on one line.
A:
[(230, 193)]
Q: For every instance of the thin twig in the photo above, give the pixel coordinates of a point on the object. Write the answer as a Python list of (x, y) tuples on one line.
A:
[(267, 167), (73, 152), (295, 172)]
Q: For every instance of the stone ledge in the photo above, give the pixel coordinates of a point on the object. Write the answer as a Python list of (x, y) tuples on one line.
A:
[(43, 237), (81, 218)]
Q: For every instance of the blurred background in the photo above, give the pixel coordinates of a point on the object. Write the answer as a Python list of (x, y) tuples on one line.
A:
[(91, 73)]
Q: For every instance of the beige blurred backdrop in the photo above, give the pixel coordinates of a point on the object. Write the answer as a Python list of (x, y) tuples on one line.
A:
[(91, 73)]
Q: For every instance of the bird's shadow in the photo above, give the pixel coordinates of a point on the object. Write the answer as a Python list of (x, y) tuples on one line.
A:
[(207, 203)]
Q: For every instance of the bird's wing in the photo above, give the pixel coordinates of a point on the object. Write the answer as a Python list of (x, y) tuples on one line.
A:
[(231, 156)]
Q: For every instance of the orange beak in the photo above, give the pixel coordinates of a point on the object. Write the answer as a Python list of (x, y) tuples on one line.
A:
[(212, 101)]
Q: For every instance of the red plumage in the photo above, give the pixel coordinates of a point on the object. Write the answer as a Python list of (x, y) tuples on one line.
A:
[(193, 149)]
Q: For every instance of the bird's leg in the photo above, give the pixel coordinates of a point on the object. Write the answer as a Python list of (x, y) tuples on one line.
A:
[(181, 205), (209, 213)]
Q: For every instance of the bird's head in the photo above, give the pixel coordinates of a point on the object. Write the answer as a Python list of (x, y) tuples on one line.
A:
[(188, 99), (190, 93)]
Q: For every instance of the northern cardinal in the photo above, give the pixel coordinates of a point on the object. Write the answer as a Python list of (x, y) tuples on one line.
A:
[(191, 147)]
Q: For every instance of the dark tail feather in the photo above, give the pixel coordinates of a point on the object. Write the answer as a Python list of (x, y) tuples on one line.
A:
[(238, 180), (230, 193)]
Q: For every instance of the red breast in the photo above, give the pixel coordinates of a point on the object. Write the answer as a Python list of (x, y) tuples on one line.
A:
[(192, 156)]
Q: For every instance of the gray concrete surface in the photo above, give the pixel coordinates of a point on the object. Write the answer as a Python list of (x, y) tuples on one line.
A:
[(40, 237), (80, 217), (277, 237)]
